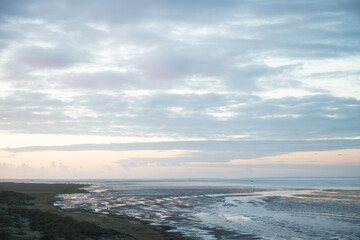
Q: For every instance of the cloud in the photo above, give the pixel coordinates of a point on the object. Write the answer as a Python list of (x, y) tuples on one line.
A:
[(5, 38), (58, 165), (25, 166), (216, 152), (100, 80), (274, 70), (52, 58), (206, 116), (30, 111), (5, 166), (316, 116), (248, 149), (246, 78)]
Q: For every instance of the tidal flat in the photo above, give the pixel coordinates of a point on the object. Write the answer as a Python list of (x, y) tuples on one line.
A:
[(211, 210), (176, 209), (27, 212)]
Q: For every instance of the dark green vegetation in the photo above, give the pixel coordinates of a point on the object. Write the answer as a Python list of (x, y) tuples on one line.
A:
[(55, 226), (14, 198), (26, 213)]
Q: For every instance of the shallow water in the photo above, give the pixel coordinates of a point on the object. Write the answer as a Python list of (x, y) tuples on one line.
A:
[(223, 210)]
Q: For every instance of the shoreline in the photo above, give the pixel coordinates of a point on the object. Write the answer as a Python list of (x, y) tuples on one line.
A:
[(45, 194), (307, 201)]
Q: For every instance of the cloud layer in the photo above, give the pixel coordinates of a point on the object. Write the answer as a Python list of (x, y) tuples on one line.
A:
[(202, 151), (210, 70)]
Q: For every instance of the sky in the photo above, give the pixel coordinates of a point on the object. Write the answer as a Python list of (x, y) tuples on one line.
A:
[(179, 89)]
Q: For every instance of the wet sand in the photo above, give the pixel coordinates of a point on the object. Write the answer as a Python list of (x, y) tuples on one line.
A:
[(210, 212)]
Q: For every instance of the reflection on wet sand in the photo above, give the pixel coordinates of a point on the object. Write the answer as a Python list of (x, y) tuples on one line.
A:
[(229, 212), (331, 195)]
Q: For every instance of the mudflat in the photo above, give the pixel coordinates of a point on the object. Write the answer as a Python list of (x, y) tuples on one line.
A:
[(27, 212)]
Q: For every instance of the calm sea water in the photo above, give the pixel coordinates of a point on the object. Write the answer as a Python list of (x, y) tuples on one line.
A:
[(268, 208), (306, 182)]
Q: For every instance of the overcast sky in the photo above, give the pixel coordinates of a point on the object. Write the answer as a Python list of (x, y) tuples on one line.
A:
[(165, 88)]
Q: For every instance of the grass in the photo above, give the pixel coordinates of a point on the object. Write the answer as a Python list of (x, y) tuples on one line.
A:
[(36, 217)]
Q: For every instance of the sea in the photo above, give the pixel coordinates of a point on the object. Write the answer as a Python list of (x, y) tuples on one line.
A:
[(209, 209)]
